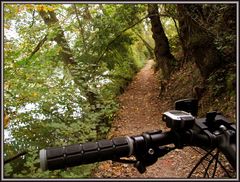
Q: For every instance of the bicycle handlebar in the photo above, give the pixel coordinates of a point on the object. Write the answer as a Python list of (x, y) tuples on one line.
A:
[(144, 147), (72, 155), (77, 154)]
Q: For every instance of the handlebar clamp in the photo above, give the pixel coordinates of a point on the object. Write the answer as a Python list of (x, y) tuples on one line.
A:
[(147, 153)]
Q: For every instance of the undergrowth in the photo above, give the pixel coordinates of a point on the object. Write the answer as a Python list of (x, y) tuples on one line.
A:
[(219, 90)]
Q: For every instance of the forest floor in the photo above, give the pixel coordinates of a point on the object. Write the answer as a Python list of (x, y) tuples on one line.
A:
[(141, 110)]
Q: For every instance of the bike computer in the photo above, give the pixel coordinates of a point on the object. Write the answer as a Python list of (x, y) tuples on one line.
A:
[(176, 119)]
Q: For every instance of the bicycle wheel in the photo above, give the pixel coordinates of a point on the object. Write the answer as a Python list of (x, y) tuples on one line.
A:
[(212, 164)]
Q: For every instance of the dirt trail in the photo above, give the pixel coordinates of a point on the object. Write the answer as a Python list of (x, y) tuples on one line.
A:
[(140, 106), (141, 111)]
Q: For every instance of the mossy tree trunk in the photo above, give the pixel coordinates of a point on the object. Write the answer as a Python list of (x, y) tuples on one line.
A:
[(164, 58)]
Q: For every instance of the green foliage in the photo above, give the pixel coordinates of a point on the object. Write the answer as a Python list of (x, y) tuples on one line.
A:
[(219, 21), (139, 57), (223, 81), (47, 100), (7, 169)]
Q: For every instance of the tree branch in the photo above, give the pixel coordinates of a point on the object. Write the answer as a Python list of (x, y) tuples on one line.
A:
[(33, 19), (15, 157), (79, 25), (47, 111), (148, 46), (50, 20), (111, 42), (119, 35), (39, 45), (144, 41)]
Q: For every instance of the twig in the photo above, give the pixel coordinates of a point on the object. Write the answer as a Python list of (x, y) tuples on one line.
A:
[(33, 19), (40, 44), (15, 157)]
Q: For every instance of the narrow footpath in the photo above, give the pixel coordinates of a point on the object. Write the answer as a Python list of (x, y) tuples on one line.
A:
[(141, 110)]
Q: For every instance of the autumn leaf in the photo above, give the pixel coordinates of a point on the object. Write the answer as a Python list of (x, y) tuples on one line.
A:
[(6, 120)]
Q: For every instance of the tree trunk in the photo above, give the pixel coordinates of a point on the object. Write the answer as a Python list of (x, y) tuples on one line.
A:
[(164, 58), (198, 44), (51, 20)]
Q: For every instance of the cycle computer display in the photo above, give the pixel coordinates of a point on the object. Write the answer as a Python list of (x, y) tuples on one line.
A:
[(176, 119)]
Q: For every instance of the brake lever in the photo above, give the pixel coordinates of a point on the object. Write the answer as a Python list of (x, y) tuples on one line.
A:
[(125, 161), (151, 157), (142, 162), (165, 150)]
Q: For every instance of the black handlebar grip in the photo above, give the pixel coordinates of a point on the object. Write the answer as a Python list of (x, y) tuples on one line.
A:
[(73, 155)]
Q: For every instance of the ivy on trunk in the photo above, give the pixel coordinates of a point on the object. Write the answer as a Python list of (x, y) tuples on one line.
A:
[(164, 58)]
